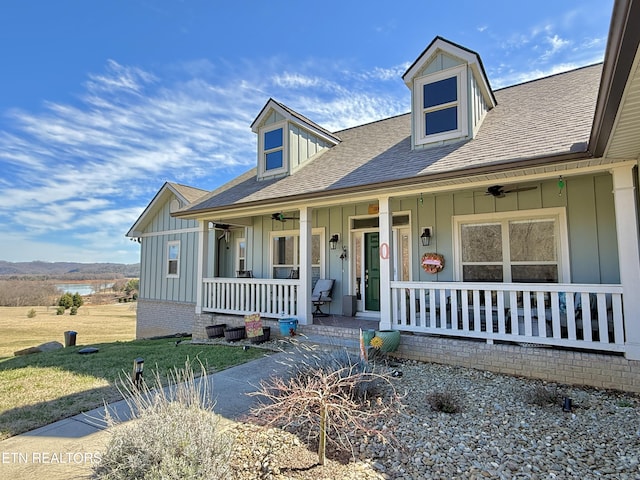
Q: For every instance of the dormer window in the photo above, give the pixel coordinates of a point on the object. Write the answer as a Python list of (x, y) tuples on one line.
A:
[(286, 140), (273, 149), (442, 100)]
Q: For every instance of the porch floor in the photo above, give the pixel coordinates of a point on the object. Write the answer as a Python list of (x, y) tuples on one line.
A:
[(347, 322)]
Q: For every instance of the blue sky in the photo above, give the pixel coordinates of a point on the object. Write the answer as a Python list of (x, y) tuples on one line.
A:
[(101, 102)]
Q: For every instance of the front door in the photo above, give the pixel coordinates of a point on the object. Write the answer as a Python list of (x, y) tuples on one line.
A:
[(372, 271)]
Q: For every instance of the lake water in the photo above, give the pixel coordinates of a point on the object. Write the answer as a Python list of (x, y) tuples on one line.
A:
[(81, 288)]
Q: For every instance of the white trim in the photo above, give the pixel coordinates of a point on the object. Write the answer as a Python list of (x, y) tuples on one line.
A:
[(296, 261), (171, 243), (262, 171), (426, 56), (420, 137), (238, 257), (171, 232), (557, 213)]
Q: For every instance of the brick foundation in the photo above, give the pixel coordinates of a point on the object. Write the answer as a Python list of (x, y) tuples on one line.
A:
[(553, 365), (561, 366), (155, 318)]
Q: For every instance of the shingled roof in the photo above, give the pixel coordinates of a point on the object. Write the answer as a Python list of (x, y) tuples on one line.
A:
[(543, 119)]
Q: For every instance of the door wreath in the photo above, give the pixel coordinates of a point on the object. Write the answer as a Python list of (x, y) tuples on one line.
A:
[(432, 262)]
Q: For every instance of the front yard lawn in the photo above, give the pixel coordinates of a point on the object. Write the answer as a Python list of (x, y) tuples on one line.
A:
[(39, 389)]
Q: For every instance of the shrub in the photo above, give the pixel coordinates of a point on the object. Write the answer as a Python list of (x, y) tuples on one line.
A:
[(543, 396), (445, 402), (31, 313), (73, 310), (175, 433), (330, 397), (60, 310), (77, 300), (66, 301)]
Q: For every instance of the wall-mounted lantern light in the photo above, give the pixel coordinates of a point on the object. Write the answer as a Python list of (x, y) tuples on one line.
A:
[(425, 238), (333, 241)]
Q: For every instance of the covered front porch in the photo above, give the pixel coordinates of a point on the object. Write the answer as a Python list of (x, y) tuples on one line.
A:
[(577, 316), (535, 268)]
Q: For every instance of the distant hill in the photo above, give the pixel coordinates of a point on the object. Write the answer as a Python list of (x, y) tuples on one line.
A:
[(68, 270)]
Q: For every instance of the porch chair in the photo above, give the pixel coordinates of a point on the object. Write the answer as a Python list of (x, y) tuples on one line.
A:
[(321, 294), (244, 274)]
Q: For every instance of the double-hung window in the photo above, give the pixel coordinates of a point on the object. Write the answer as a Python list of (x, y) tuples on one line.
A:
[(285, 254), (441, 99), (173, 258), (272, 145)]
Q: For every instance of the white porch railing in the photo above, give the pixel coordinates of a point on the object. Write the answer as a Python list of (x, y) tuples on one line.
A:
[(242, 296), (565, 315)]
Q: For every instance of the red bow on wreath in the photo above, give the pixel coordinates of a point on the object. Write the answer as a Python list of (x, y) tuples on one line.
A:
[(432, 262)]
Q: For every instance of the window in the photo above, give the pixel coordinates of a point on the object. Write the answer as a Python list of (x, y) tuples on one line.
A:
[(441, 106), (241, 249), (173, 258), (274, 149), (285, 254), (518, 247)]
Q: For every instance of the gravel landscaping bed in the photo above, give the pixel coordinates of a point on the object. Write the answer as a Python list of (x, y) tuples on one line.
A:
[(499, 433)]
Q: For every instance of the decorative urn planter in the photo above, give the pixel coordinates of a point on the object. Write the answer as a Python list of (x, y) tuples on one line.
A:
[(390, 340)]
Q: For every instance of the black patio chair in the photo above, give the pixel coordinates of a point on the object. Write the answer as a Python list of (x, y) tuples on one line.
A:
[(321, 294)]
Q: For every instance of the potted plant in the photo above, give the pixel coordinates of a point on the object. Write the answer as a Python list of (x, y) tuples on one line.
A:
[(215, 331)]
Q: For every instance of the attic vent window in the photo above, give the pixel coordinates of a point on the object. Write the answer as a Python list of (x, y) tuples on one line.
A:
[(273, 149), (441, 98)]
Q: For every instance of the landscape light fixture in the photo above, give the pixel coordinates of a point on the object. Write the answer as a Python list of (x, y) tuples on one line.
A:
[(138, 367), (425, 238), (333, 241)]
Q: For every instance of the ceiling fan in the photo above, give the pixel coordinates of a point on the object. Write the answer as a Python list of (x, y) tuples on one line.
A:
[(498, 191), (281, 218)]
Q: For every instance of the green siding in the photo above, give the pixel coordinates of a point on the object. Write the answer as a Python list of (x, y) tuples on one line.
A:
[(154, 284), (441, 61)]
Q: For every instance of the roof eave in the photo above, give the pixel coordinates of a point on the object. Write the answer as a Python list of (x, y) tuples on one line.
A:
[(497, 167), (620, 53)]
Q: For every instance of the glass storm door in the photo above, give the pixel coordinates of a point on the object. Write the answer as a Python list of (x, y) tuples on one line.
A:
[(372, 271)]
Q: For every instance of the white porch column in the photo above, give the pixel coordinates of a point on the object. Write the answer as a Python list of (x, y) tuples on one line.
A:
[(628, 255), (386, 262), (203, 260), (305, 316)]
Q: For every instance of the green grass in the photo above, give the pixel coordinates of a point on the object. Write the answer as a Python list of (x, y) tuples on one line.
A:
[(39, 389)]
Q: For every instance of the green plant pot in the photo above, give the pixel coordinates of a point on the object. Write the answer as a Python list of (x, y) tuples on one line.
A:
[(390, 340), (367, 335)]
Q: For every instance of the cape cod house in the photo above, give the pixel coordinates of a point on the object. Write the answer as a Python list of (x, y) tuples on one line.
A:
[(479, 224)]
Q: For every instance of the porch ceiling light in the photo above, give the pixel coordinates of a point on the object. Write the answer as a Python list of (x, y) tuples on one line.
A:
[(333, 241), (425, 238)]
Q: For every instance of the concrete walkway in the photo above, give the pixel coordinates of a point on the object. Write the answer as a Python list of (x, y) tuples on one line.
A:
[(67, 449)]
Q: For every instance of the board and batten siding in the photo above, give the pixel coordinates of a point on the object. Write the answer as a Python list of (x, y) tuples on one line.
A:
[(588, 200), (154, 283)]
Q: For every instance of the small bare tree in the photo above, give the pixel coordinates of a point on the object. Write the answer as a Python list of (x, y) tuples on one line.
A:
[(331, 399)]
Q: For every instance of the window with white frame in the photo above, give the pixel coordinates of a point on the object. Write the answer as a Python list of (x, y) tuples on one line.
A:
[(441, 103), (515, 247), (273, 149), (241, 259), (285, 254), (173, 258)]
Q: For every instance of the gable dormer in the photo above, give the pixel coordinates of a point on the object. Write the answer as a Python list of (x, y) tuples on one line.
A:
[(450, 94), (286, 140)]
